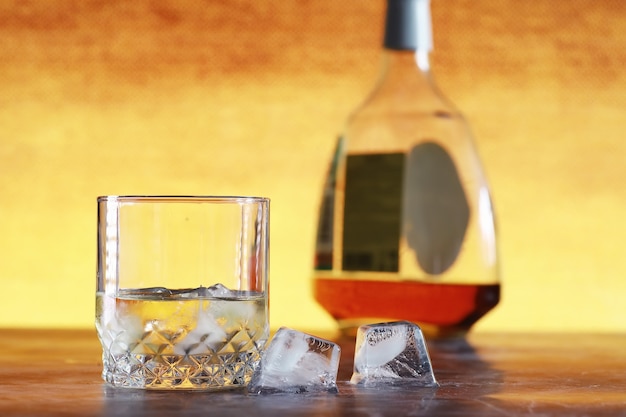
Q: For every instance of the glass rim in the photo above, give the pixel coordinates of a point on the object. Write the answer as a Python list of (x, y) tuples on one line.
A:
[(145, 198)]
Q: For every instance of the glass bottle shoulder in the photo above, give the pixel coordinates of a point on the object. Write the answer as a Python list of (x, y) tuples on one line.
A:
[(406, 82), (404, 106)]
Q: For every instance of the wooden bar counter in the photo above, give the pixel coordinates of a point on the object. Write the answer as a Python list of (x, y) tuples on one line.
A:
[(57, 372)]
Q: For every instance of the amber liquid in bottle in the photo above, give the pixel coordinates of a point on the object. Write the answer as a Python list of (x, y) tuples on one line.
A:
[(440, 309), (406, 227)]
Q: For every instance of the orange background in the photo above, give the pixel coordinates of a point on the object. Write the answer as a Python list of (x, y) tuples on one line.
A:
[(247, 97)]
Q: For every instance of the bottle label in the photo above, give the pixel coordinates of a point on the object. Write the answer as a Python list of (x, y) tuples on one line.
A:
[(436, 208), (372, 217), (324, 240), (412, 204)]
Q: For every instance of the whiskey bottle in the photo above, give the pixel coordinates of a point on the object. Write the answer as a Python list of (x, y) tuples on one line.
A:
[(406, 226)]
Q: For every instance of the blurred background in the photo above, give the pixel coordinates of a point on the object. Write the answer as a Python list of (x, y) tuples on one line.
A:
[(247, 97)]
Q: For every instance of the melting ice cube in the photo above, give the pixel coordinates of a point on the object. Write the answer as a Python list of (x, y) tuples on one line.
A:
[(208, 334), (147, 293), (296, 362), (392, 354), (217, 290)]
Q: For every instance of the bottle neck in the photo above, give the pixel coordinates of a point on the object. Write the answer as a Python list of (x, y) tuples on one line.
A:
[(407, 45), (405, 81), (407, 60), (404, 68), (408, 26)]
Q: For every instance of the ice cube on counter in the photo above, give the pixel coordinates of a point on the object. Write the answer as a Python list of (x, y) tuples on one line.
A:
[(392, 353), (296, 362)]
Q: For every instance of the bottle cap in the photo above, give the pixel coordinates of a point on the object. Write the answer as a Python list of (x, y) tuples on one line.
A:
[(408, 25)]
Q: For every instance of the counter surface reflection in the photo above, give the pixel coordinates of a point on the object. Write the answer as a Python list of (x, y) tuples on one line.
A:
[(57, 372)]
